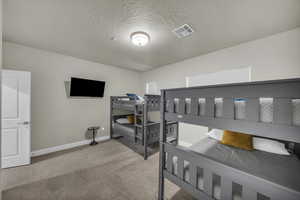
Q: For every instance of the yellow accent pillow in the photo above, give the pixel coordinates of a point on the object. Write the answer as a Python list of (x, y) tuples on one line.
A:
[(239, 140), (130, 119)]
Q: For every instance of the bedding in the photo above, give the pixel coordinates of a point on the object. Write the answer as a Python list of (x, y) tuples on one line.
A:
[(129, 130), (239, 140), (130, 119), (280, 169), (132, 96), (216, 134), (121, 129), (262, 144), (270, 146), (125, 99), (123, 121)]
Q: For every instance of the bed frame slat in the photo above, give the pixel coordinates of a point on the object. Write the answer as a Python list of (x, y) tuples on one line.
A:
[(171, 106), (283, 111), (181, 106), (170, 162), (180, 167), (252, 109), (209, 107), (226, 188), (194, 106), (208, 181), (228, 108), (249, 194), (193, 174)]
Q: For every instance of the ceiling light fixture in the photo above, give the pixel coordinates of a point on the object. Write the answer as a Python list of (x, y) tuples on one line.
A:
[(140, 38)]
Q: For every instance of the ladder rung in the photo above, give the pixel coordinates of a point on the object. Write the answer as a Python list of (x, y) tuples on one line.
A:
[(153, 123), (139, 126)]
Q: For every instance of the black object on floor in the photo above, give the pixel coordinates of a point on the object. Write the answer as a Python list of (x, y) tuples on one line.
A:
[(94, 129)]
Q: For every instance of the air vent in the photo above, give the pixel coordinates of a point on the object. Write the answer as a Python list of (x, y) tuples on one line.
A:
[(183, 31)]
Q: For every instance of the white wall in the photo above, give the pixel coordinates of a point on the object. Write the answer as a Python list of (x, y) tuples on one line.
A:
[(0, 76), (274, 57), (1, 12), (56, 119)]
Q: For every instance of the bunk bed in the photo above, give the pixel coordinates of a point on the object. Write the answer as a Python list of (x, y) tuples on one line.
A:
[(142, 131), (210, 170)]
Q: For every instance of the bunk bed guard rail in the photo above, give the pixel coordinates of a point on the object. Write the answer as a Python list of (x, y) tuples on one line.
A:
[(197, 105), (153, 102), (123, 102)]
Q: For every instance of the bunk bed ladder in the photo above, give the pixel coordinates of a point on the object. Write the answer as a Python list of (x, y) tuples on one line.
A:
[(136, 115), (141, 114), (145, 129)]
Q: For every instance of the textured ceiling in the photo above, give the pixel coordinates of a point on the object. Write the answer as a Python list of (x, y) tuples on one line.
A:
[(99, 30)]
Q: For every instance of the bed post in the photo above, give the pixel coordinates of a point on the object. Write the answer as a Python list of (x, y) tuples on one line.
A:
[(162, 140), (145, 129), (111, 118)]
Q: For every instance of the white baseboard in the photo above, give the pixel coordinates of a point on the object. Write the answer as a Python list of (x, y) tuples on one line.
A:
[(66, 146)]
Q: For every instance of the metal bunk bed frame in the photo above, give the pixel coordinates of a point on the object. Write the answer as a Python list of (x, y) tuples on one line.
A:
[(282, 128), (140, 110)]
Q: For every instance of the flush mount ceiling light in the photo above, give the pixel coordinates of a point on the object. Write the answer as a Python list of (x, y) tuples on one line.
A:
[(140, 38)]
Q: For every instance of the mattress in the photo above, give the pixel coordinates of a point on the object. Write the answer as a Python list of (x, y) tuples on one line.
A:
[(283, 170), (129, 130), (122, 129)]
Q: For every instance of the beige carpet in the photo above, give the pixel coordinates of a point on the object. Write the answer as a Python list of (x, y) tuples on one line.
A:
[(108, 171)]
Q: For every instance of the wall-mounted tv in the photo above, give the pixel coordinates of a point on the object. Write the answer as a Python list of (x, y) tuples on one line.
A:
[(86, 88)]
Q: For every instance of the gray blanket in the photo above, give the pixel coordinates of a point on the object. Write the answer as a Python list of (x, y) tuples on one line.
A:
[(280, 169)]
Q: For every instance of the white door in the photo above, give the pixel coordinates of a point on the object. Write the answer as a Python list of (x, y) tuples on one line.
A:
[(15, 108)]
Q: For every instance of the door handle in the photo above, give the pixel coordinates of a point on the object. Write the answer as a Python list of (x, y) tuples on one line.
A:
[(24, 123)]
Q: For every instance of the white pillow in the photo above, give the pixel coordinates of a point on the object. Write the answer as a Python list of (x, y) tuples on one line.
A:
[(123, 121), (270, 146), (141, 98), (216, 134)]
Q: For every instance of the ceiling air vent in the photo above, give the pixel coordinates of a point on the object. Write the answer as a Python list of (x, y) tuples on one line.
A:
[(183, 31)]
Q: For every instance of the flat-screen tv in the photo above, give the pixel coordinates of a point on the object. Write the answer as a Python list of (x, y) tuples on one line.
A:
[(86, 88)]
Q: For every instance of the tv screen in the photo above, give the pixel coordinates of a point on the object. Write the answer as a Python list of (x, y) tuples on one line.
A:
[(86, 88)]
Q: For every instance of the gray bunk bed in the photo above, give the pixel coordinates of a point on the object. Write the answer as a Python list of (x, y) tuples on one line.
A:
[(143, 131), (237, 174)]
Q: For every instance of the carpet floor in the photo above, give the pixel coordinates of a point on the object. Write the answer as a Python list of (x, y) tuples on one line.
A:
[(108, 171)]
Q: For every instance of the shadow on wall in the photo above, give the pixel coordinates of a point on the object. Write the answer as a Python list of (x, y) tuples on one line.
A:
[(68, 88)]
